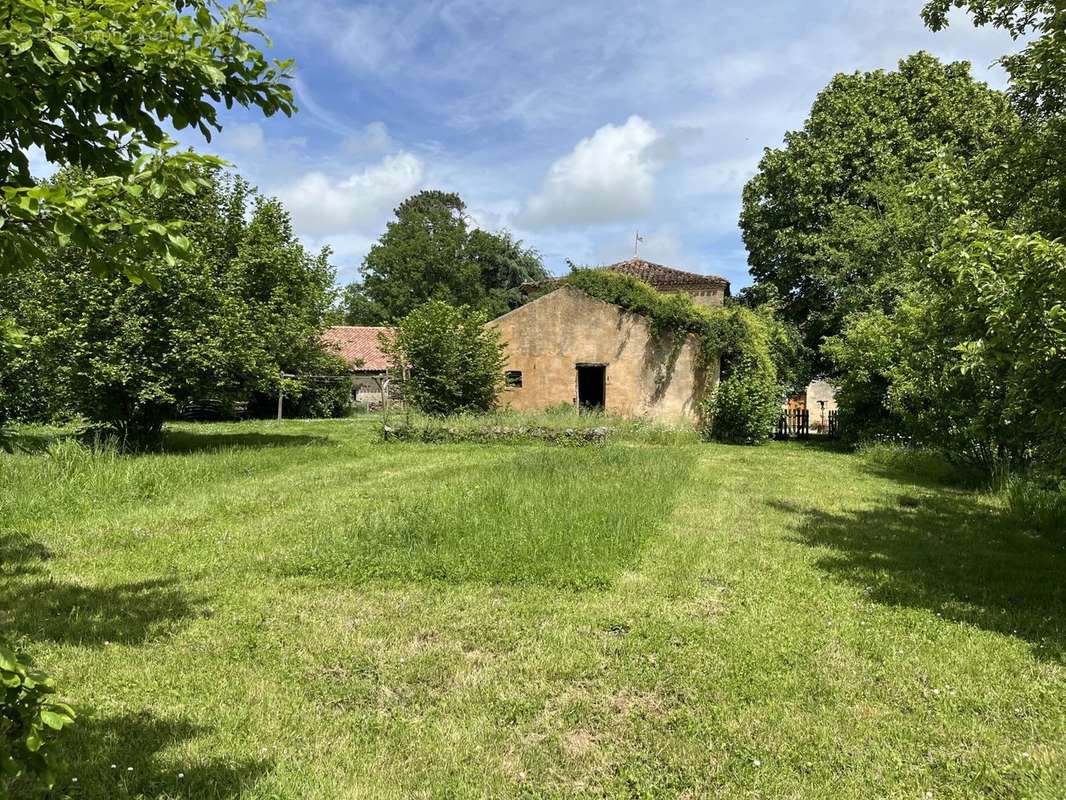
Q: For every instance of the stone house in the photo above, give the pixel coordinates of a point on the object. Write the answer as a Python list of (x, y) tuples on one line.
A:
[(566, 348)]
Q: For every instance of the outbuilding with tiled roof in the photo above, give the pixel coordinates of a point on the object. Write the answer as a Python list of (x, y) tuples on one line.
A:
[(706, 290), (359, 345)]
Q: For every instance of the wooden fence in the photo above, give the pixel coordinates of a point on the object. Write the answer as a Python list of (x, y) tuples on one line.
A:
[(795, 423)]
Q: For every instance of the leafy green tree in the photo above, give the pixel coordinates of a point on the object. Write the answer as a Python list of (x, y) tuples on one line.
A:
[(90, 85), (248, 304), (973, 355), (1032, 177), (286, 292), (421, 257), (1038, 72), (826, 219), (428, 252), (454, 363), (505, 266), (356, 308)]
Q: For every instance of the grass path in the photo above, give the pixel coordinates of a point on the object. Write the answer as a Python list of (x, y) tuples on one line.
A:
[(323, 616)]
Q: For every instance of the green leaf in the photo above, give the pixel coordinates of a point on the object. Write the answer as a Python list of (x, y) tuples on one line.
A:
[(64, 225), (60, 52), (8, 661), (54, 720)]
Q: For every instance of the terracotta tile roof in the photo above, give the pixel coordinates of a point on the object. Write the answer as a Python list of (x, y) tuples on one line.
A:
[(665, 277), (358, 344)]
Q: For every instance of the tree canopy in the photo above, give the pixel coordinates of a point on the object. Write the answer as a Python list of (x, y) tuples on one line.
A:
[(1038, 72), (91, 85), (429, 252), (922, 253), (246, 305), (825, 219)]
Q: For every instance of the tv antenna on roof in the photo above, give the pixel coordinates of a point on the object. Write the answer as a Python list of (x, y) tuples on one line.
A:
[(637, 239)]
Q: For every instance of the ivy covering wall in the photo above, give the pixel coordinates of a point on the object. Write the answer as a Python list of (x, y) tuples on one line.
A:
[(746, 343)]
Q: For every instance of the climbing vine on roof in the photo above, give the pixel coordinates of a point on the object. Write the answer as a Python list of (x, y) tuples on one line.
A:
[(745, 403)]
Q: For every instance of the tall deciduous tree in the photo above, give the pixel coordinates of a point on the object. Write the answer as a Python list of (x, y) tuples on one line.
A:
[(430, 252), (1038, 71), (825, 219)]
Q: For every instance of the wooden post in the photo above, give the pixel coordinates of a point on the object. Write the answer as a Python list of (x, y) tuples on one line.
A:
[(281, 394)]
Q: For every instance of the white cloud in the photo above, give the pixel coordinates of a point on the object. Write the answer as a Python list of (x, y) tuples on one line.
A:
[(246, 139), (361, 202), (607, 177), (374, 138)]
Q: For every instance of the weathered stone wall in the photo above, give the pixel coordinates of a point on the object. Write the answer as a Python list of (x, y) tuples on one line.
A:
[(647, 376), (710, 297)]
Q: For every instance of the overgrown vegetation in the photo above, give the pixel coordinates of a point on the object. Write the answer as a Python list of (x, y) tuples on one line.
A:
[(626, 620), (913, 228), (752, 348), (31, 719), (447, 360)]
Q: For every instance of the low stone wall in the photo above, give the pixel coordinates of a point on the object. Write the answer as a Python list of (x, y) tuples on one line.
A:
[(445, 435)]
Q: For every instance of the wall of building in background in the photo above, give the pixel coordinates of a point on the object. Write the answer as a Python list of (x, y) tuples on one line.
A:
[(646, 376)]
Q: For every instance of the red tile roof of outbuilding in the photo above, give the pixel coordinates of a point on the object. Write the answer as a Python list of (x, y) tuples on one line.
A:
[(358, 343)]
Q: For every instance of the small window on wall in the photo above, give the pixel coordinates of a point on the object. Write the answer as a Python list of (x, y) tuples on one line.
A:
[(513, 378)]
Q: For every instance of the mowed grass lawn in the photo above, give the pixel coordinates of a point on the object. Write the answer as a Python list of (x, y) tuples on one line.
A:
[(302, 611)]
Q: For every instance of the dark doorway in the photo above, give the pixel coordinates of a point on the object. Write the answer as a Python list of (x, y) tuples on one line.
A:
[(591, 386)]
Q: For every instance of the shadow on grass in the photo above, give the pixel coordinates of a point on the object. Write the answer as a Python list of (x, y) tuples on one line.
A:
[(36, 606), (946, 554), (20, 555), (126, 613), (173, 441), (921, 467), (185, 441), (135, 740)]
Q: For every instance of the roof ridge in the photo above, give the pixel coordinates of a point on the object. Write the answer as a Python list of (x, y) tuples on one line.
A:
[(648, 271)]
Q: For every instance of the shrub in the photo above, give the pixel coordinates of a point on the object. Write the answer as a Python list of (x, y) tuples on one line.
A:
[(970, 359), (322, 389), (747, 402), (742, 410), (454, 434), (453, 362), (29, 723)]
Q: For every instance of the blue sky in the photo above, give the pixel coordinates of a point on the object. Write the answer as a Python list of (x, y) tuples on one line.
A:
[(572, 124)]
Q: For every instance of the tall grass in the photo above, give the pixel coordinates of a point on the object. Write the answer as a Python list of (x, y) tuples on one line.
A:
[(563, 518), (1038, 504)]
